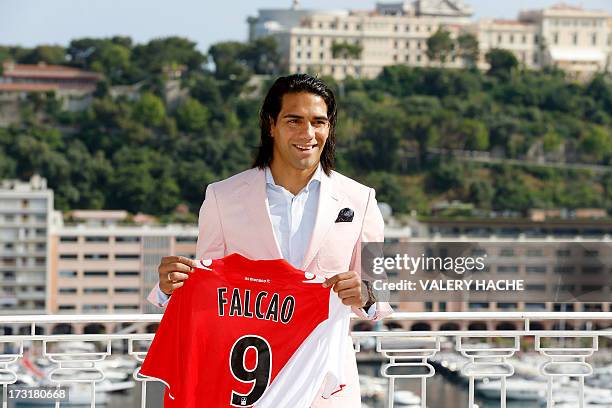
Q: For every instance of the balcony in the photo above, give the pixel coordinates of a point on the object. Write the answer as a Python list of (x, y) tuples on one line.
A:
[(491, 364)]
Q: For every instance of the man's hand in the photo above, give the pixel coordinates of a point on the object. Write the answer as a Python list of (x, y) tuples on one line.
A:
[(173, 270), (348, 287)]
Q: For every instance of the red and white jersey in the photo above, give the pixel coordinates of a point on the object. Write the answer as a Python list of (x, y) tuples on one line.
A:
[(247, 333)]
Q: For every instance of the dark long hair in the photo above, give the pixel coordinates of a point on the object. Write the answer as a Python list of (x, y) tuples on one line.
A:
[(272, 105)]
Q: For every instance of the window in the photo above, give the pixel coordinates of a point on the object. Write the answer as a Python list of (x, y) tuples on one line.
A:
[(321, 55), (187, 239), (127, 290), (68, 291), (478, 305), (428, 306), (535, 252), (95, 273), (563, 307), (536, 269), (69, 239), (507, 305), (556, 38), (94, 308), (127, 256), (96, 257), (506, 252), (96, 239), (126, 273), (564, 269), (68, 256), (67, 274), (507, 269), (564, 253), (592, 269), (591, 253), (536, 287), (127, 307), (127, 239), (594, 39), (499, 38), (67, 307), (95, 290), (575, 38), (511, 38), (535, 306), (524, 39)]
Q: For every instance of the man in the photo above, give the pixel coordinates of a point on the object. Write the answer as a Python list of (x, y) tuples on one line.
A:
[(292, 205)]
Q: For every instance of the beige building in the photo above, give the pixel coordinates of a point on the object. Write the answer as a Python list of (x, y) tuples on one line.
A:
[(101, 265), (576, 40), (25, 218)]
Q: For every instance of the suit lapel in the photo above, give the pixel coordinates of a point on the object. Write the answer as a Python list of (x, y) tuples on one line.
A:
[(330, 202), (256, 206)]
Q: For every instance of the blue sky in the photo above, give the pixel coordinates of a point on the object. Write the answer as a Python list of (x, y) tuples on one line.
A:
[(33, 22)]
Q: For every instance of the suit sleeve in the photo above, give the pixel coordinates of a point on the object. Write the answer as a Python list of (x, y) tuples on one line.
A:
[(373, 230), (211, 242)]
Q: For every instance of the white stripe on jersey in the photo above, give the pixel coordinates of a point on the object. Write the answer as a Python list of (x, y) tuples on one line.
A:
[(320, 357)]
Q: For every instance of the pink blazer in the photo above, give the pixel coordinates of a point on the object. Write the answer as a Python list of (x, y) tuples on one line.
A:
[(235, 218)]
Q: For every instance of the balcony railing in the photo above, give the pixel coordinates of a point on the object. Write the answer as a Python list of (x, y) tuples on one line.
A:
[(418, 355)]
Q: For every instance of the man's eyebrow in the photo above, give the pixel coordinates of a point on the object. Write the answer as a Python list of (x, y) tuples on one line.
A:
[(295, 116)]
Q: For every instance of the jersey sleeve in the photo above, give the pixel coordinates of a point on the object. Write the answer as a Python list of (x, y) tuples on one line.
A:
[(165, 359)]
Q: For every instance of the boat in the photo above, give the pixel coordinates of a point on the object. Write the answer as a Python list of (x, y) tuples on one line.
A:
[(405, 398)]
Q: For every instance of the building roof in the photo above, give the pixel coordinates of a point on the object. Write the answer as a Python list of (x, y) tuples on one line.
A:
[(27, 87), (43, 71)]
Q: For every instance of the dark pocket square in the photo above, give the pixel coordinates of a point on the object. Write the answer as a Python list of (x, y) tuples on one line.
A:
[(345, 215)]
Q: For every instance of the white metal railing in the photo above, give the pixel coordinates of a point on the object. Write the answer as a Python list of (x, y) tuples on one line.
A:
[(414, 352)]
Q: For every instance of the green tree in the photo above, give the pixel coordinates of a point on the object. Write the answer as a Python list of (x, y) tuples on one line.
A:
[(501, 62), (262, 56), (149, 110), (439, 46), (48, 54), (468, 48), (159, 53), (192, 116)]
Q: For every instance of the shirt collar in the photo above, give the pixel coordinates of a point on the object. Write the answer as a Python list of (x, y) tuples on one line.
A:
[(315, 177)]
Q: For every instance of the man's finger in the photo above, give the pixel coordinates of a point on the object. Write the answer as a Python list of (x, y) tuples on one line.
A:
[(175, 267), (348, 293), (177, 285), (352, 301), (346, 284), (338, 277), (177, 259), (177, 276)]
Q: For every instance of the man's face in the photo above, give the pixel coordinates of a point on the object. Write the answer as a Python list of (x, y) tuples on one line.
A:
[(300, 131)]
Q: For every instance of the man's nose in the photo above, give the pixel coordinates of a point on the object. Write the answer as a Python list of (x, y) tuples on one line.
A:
[(310, 130)]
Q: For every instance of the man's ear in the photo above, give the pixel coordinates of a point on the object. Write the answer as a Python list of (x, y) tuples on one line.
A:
[(271, 123)]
